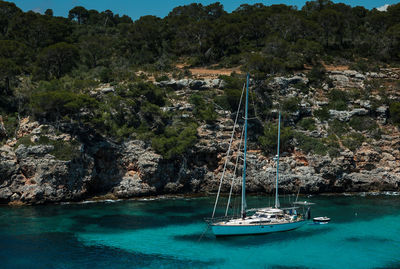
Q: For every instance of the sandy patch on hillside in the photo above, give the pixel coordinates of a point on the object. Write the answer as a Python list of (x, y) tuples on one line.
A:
[(213, 73)]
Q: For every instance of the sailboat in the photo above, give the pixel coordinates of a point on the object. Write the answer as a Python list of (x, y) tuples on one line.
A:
[(263, 220)]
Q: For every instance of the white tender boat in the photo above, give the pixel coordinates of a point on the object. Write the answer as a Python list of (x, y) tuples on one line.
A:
[(321, 220), (264, 220)]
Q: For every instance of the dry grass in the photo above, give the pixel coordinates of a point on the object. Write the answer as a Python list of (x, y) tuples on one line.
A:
[(206, 73)]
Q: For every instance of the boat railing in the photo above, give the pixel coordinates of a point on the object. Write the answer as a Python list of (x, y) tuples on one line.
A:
[(217, 219)]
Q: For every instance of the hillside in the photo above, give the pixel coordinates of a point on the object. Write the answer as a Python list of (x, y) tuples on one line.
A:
[(99, 105)]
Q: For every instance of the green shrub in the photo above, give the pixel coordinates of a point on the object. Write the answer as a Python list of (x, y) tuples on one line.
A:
[(334, 152), (105, 75), (322, 114), (333, 145), (162, 78), (309, 49), (317, 75), (394, 110), (269, 139), (353, 141), (338, 128), (302, 87), (291, 104), (307, 124), (360, 65), (175, 141), (265, 64), (62, 150), (360, 123), (338, 100), (10, 124), (25, 140), (294, 61), (65, 151), (202, 110), (232, 92), (187, 73), (311, 144)]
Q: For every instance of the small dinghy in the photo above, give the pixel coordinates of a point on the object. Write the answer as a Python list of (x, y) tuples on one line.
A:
[(321, 220)]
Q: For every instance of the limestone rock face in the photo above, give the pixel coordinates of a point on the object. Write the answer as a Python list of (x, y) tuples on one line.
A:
[(347, 79), (194, 84), (283, 83), (346, 115), (32, 173)]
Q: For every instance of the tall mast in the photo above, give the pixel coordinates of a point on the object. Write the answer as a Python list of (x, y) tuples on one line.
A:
[(243, 211), (277, 163)]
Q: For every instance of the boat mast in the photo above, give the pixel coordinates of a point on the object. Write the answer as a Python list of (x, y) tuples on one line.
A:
[(277, 163), (243, 211)]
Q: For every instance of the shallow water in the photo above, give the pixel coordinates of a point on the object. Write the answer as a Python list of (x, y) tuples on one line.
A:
[(167, 233)]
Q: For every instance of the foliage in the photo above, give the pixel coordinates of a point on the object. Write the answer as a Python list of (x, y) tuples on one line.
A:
[(311, 144), (56, 104), (56, 60), (317, 75), (105, 75), (291, 104), (203, 110), (353, 141), (363, 65), (232, 92), (8, 71), (265, 39), (302, 87), (176, 140), (338, 100), (307, 124), (337, 127), (162, 78), (269, 139), (365, 123), (51, 67), (394, 110), (25, 140), (10, 124), (62, 150), (322, 113)]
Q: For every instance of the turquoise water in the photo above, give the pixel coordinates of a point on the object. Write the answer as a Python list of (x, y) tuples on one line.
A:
[(364, 233)]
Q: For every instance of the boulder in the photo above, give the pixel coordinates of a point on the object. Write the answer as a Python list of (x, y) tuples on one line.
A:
[(340, 80), (107, 90), (346, 115)]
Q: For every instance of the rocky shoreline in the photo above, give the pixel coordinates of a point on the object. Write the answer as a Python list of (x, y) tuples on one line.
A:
[(35, 170)]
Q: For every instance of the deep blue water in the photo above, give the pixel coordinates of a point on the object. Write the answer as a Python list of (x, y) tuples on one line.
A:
[(165, 233)]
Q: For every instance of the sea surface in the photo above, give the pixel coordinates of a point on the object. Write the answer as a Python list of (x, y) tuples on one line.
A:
[(170, 233)]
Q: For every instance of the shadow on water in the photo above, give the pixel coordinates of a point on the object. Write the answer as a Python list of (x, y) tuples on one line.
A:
[(195, 238), (392, 265), (368, 240), (63, 250), (120, 221), (167, 209), (133, 222), (286, 267), (255, 240)]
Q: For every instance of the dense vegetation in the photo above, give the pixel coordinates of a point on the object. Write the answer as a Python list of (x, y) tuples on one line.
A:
[(49, 65)]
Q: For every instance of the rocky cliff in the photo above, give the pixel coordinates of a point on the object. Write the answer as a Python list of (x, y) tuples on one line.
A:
[(47, 163)]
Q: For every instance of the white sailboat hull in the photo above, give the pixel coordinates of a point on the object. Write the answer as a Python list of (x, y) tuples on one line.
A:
[(226, 230)]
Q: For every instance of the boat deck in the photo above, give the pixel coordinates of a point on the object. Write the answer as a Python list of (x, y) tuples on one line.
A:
[(248, 221)]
